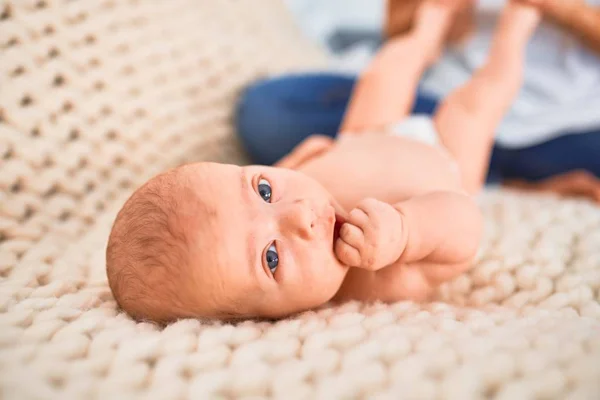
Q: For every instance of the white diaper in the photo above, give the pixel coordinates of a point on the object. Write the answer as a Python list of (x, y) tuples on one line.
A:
[(420, 127), (417, 127)]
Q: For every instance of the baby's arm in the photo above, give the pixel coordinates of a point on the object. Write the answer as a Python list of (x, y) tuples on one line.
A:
[(436, 228), (311, 147), (435, 238), (442, 227)]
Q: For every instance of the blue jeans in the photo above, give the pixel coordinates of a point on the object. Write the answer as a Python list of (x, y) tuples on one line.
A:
[(274, 115)]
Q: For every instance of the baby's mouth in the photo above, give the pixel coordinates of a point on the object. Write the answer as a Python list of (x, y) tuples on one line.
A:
[(339, 218), (339, 221)]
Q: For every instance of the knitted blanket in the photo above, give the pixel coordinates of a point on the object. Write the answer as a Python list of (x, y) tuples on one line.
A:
[(96, 96)]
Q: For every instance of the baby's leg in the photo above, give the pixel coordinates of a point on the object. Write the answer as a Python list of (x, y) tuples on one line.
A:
[(386, 90), (468, 118)]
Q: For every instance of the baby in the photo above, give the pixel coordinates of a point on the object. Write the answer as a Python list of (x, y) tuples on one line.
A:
[(384, 213)]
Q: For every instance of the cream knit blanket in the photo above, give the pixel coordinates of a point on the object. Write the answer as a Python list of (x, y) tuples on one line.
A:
[(98, 95)]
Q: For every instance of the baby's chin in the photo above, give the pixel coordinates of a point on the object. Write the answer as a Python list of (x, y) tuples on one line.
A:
[(294, 309), (330, 281)]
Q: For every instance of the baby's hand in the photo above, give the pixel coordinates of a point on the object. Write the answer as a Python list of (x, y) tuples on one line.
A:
[(372, 236)]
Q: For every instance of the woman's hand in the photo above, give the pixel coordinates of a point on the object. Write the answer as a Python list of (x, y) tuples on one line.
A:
[(555, 8), (401, 15), (577, 17)]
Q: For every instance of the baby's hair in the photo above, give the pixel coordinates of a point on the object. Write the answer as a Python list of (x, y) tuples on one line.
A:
[(147, 253)]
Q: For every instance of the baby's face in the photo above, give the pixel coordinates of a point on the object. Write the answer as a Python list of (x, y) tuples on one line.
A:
[(264, 240)]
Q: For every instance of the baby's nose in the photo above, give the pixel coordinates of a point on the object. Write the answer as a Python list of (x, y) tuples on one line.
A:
[(299, 218)]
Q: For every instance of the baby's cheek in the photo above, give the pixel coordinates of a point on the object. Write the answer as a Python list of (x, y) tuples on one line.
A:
[(317, 275), (332, 278), (321, 285)]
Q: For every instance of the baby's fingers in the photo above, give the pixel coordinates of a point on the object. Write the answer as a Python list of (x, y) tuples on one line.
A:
[(347, 254), (352, 235), (358, 217)]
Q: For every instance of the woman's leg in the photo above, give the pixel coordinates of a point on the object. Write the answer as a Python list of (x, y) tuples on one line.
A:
[(567, 165), (568, 152), (425, 104), (275, 115)]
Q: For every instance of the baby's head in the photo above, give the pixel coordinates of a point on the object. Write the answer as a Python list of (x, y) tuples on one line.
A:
[(221, 241)]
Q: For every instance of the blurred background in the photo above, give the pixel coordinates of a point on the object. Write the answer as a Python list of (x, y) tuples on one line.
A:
[(350, 30), (551, 130)]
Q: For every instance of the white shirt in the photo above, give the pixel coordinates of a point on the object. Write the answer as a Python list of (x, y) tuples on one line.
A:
[(561, 91)]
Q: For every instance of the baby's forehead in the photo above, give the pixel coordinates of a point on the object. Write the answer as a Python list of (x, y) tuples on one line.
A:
[(215, 204), (222, 257), (222, 227), (215, 191)]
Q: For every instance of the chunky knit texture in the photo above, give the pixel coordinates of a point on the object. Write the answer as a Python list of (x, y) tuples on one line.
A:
[(96, 96)]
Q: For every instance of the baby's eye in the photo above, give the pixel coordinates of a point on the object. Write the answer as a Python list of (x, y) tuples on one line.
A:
[(264, 190), (272, 258)]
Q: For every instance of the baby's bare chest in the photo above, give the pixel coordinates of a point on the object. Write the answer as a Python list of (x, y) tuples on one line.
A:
[(388, 168)]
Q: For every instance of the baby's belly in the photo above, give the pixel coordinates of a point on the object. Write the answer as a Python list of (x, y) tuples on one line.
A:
[(388, 168)]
